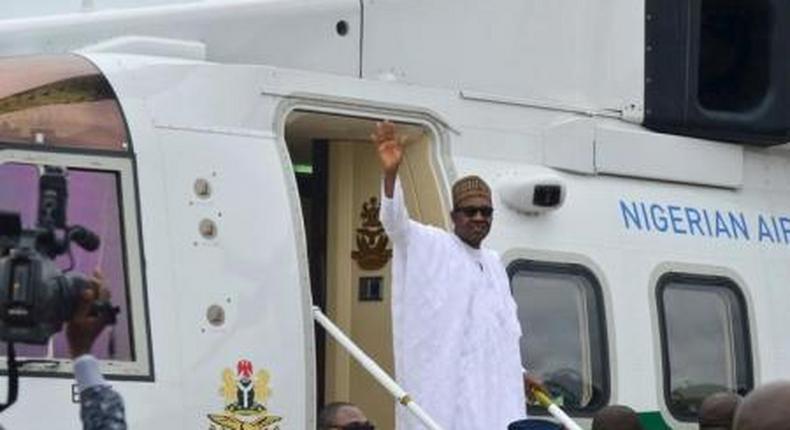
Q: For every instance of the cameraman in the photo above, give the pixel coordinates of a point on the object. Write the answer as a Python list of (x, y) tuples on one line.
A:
[(100, 406)]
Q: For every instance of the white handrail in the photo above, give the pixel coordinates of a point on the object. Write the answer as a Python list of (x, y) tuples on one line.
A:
[(555, 410), (374, 369)]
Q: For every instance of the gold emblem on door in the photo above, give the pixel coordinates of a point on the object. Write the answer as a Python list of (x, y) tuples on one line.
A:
[(372, 241)]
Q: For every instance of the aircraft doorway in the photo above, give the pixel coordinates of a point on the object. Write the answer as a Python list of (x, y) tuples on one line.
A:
[(349, 255)]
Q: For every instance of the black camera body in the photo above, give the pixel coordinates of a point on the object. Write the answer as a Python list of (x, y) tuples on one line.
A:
[(36, 297)]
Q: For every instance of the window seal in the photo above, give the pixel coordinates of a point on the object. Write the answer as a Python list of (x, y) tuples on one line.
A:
[(141, 367), (703, 280), (528, 265)]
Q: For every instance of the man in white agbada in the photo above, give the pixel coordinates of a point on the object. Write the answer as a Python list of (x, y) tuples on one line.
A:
[(455, 328)]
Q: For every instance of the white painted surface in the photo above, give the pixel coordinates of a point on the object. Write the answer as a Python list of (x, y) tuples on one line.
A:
[(569, 144), (571, 51), (297, 34), (22, 8), (155, 46), (632, 151)]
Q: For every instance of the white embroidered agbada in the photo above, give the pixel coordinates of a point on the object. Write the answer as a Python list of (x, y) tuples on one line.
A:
[(455, 328)]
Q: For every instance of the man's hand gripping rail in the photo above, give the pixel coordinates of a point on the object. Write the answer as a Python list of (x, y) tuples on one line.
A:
[(553, 409)]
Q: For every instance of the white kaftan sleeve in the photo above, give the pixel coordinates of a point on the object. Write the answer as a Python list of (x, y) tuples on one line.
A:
[(420, 260), (394, 216)]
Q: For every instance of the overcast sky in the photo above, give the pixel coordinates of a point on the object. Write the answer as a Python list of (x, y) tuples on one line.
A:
[(27, 8)]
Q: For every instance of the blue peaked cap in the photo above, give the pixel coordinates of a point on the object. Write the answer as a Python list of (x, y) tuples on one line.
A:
[(533, 424)]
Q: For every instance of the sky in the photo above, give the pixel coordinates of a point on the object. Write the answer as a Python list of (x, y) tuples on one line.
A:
[(27, 8)]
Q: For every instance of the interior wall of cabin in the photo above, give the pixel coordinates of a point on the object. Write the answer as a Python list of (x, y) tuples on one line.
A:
[(353, 180)]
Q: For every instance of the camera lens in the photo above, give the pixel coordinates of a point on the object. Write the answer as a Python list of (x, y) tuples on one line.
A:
[(547, 195)]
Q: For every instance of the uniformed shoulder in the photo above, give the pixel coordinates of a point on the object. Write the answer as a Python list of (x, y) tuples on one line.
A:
[(102, 408)]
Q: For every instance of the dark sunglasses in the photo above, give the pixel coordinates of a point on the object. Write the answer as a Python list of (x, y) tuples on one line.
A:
[(367, 425), (470, 211)]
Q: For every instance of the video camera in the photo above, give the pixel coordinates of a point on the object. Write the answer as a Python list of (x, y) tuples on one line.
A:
[(37, 297)]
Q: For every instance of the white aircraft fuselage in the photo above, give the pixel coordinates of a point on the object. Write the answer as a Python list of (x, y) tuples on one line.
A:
[(220, 101)]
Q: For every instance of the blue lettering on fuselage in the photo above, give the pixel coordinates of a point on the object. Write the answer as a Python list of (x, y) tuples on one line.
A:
[(677, 219), (764, 231)]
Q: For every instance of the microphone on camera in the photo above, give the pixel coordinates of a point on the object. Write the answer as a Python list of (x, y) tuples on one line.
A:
[(85, 238)]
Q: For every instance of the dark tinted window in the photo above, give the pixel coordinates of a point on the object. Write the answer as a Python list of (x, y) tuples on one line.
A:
[(716, 69), (735, 55), (561, 311)]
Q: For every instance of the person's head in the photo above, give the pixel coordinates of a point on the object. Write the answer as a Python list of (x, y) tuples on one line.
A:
[(765, 408), (717, 411), (472, 210), (343, 416), (616, 417)]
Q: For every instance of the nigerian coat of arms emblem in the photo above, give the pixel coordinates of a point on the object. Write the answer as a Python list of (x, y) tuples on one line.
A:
[(245, 394)]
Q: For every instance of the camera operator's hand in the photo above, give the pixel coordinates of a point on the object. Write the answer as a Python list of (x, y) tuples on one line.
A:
[(84, 328)]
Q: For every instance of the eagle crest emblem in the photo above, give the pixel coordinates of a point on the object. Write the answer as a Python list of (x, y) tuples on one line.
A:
[(245, 393), (372, 240)]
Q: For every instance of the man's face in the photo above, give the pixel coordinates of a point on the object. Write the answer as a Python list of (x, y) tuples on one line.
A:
[(472, 218)]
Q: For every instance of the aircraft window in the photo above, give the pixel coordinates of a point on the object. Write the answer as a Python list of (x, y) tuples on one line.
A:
[(704, 339), (94, 201), (59, 100), (561, 311), (735, 53)]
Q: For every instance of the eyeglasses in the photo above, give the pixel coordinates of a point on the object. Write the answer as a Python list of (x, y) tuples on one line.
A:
[(471, 211), (367, 425)]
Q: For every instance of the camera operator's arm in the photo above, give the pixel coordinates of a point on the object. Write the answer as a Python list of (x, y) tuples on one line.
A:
[(100, 406)]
